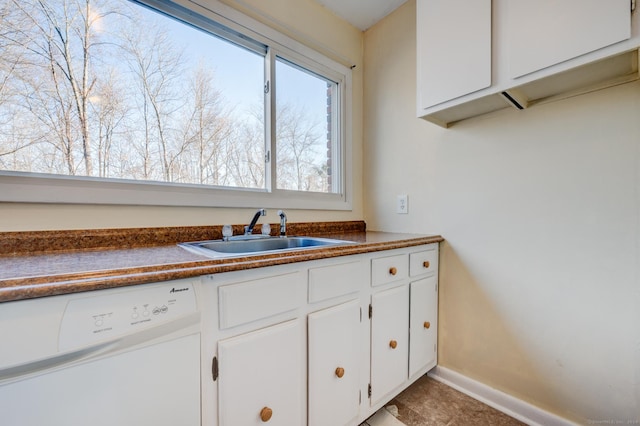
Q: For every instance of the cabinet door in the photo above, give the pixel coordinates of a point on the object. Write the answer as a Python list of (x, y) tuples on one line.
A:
[(423, 315), (334, 349), (453, 49), (389, 341), (261, 373), (542, 33)]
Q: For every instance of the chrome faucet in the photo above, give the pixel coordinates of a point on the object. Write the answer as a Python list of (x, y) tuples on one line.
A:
[(248, 230), (283, 223)]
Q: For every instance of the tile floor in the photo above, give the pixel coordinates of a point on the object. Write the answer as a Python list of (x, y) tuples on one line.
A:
[(431, 403)]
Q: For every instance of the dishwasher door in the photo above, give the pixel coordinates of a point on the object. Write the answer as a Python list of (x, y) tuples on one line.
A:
[(113, 364)]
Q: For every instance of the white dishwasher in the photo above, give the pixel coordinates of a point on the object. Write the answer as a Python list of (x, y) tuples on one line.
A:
[(111, 357)]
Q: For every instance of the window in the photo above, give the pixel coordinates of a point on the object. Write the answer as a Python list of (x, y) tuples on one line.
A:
[(117, 101)]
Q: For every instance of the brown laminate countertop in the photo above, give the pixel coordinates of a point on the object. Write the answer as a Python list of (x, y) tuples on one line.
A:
[(25, 276)]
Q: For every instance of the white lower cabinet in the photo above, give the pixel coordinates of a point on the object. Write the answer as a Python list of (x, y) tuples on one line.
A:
[(389, 341), (262, 377), (334, 370), (423, 324), (325, 342)]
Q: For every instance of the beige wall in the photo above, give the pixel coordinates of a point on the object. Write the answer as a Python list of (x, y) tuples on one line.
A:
[(304, 20), (540, 209)]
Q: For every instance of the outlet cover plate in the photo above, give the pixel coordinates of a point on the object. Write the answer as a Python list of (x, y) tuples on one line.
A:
[(402, 205)]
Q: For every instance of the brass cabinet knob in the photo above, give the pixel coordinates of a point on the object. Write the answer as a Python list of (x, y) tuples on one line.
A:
[(426, 264), (265, 414), (393, 270), (393, 344), (427, 324), (339, 372)]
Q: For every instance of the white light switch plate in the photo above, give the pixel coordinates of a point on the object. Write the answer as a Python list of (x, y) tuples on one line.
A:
[(402, 206)]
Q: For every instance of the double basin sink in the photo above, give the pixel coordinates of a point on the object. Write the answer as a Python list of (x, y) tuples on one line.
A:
[(258, 244)]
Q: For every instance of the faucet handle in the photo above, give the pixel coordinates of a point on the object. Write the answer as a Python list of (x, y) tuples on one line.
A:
[(227, 231)]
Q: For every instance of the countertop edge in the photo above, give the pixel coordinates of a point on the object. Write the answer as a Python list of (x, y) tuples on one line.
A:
[(44, 286)]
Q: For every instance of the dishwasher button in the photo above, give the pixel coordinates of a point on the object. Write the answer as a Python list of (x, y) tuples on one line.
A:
[(98, 322)]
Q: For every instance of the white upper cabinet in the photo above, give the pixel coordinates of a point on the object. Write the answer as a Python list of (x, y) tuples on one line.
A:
[(479, 56), (543, 33), (455, 41)]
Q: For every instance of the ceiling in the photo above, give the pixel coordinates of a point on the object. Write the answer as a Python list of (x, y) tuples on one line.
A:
[(362, 13)]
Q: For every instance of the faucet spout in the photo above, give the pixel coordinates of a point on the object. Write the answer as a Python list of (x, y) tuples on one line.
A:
[(248, 230), (283, 223)]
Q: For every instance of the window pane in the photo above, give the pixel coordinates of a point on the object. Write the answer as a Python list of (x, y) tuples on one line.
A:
[(111, 89), (304, 136)]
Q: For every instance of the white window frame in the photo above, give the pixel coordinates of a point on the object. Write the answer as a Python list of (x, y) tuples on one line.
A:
[(46, 188)]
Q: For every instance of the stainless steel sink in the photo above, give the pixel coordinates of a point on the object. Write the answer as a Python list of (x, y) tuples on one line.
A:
[(253, 246)]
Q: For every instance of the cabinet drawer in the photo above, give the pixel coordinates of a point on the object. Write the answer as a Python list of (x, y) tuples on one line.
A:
[(423, 262), (389, 269), (334, 280), (240, 303)]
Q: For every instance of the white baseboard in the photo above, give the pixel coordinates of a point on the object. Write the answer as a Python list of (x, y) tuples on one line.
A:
[(514, 407)]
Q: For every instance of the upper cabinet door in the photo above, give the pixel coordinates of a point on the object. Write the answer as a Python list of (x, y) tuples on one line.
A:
[(454, 49), (543, 33)]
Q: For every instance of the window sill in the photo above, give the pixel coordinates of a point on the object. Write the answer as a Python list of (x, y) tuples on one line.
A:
[(38, 188)]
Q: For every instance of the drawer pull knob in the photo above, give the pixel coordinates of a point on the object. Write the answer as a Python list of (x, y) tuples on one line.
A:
[(426, 264), (393, 270), (427, 324), (339, 372), (265, 414), (393, 344)]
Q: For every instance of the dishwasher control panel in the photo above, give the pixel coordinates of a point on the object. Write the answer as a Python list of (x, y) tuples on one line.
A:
[(115, 313)]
